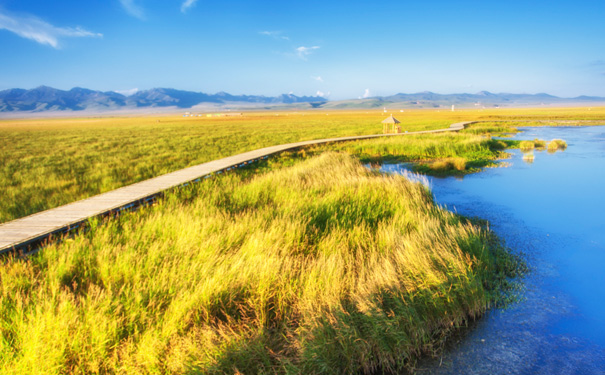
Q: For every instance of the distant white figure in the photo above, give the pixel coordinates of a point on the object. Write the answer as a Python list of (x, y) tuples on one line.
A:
[(385, 109), (401, 110), (452, 108)]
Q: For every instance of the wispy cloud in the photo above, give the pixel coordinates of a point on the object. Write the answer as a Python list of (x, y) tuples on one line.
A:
[(32, 27), (134, 9), (366, 94), (322, 94), (187, 4), (302, 51), (274, 34), (128, 92), (318, 78)]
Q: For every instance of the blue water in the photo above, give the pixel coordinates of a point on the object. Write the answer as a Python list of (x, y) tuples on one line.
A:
[(553, 211)]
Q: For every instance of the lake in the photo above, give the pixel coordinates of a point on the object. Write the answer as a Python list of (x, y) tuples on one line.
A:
[(552, 211)]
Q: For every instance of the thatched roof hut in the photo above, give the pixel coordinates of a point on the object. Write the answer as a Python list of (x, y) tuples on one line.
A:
[(389, 125), (391, 120)]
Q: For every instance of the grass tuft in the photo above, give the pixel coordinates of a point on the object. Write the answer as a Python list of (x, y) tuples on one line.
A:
[(557, 144)]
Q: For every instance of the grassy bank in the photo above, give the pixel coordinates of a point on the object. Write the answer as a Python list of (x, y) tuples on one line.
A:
[(437, 154), (319, 267)]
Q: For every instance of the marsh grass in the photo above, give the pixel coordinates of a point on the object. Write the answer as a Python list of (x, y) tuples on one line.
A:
[(319, 267), (526, 145), (436, 154), (556, 144), (496, 129), (537, 144)]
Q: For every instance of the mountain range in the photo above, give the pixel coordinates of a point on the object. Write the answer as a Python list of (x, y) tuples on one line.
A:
[(44, 99), (481, 99)]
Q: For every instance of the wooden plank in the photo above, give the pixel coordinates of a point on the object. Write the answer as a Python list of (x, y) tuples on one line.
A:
[(38, 226)]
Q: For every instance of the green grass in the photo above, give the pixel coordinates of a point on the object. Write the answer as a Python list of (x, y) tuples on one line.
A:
[(526, 145), (48, 163), (320, 267), (437, 154), (538, 144)]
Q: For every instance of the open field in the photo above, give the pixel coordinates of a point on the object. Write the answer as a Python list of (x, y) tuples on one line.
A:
[(319, 267), (303, 263), (48, 163)]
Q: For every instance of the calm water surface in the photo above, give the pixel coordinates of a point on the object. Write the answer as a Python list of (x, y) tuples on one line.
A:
[(553, 211)]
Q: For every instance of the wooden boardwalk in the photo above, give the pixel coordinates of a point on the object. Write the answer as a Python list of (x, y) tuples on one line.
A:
[(28, 232)]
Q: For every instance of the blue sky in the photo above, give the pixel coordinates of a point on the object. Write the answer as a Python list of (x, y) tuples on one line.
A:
[(339, 49)]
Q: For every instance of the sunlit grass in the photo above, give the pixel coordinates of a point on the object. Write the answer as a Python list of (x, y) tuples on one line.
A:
[(557, 144), (447, 153), (289, 266), (322, 267), (46, 163)]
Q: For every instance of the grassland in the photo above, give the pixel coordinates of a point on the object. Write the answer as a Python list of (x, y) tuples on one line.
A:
[(79, 158), (305, 263), (321, 267)]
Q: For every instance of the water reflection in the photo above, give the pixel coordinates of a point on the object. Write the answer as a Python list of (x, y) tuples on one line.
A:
[(552, 210)]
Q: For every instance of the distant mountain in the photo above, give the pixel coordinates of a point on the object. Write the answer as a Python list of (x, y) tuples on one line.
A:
[(481, 99), (45, 98)]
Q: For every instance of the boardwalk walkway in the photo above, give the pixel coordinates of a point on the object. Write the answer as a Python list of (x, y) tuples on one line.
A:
[(28, 232)]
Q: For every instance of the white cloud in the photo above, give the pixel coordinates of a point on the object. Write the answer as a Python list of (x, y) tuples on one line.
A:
[(133, 9), (274, 34), (318, 78), (128, 92), (366, 94), (303, 51), (187, 4), (324, 95), (31, 27)]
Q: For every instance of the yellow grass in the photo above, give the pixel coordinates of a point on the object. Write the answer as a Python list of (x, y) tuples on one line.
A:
[(319, 268), (45, 163)]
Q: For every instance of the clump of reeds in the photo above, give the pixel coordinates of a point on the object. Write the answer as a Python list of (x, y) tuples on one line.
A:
[(530, 145), (448, 164), (323, 267), (526, 145), (539, 144), (557, 144)]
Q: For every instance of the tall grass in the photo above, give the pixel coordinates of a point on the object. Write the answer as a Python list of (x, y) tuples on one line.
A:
[(446, 153), (556, 144), (321, 267)]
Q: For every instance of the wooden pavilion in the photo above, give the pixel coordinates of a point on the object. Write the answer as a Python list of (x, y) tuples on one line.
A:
[(389, 125)]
